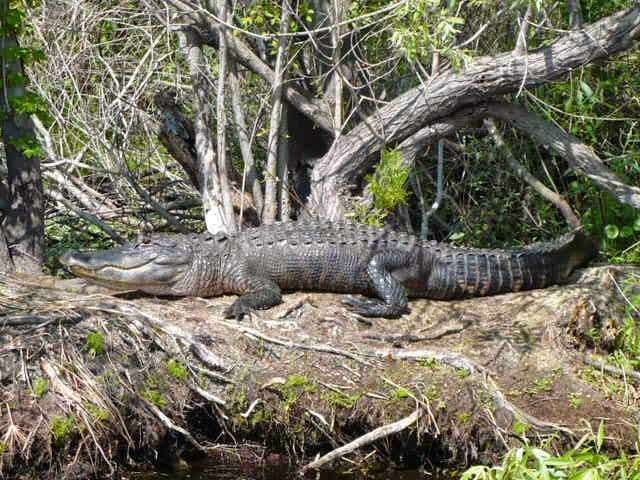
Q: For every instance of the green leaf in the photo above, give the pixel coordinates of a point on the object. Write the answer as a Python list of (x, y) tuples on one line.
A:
[(612, 232), (626, 232), (636, 225), (586, 89), (600, 436)]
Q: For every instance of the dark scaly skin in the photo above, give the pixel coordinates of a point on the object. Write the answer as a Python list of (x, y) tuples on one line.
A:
[(385, 266)]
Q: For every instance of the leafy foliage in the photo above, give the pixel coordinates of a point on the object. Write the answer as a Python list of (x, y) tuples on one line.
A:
[(388, 185), (427, 28), (586, 461)]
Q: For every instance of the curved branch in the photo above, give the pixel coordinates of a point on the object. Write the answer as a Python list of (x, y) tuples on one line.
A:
[(519, 169), (579, 156), (351, 154)]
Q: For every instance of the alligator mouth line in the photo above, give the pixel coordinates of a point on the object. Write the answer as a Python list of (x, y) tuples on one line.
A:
[(103, 276)]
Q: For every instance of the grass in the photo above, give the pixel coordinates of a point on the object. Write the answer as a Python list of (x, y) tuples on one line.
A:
[(585, 461)]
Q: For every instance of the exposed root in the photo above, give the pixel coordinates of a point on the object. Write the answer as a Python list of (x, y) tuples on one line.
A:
[(363, 441), (166, 421), (461, 362), (253, 333)]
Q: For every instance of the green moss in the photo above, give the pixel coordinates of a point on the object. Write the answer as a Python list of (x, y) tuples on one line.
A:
[(261, 415), (95, 343), (431, 393), (341, 400), (177, 369), (155, 397), (431, 363), (99, 414), (40, 387), (299, 382), (295, 387), (521, 428), (401, 393), (541, 385), (464, 417), (62, 428)]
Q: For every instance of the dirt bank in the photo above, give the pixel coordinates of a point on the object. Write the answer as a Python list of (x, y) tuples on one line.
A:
[(93, 382)]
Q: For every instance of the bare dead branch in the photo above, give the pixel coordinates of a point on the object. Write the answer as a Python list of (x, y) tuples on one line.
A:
[(555, 198), (246, 57), (215, 212), (521, 42), (580, 156), (250, 175), (364, 440)]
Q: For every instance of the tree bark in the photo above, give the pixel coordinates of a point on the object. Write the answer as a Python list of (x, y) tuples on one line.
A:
[(221, 122), (271, 174), (351, 155), (575, 14), (23, 227), (178, 136), (215, 212)]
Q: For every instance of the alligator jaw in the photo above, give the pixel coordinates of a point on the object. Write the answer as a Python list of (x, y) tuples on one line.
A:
[(148, 269)]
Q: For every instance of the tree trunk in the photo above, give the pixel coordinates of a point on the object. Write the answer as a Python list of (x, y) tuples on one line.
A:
[(272, 181), (23, 227), (212, 200)]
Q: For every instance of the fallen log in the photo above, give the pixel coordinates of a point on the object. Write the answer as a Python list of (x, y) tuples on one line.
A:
[(97, 380)]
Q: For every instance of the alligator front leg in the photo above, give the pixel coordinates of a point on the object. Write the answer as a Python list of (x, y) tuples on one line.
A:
[(393, 294), (258, 293)]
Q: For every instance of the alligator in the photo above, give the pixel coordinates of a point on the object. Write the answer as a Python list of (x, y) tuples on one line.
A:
[(384, 267)]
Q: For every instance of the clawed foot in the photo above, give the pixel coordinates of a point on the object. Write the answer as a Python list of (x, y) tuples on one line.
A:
[(369, 307), (237, 310)]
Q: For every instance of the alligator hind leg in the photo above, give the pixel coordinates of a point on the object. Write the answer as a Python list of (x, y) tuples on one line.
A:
[(259, 293), (393, 294)]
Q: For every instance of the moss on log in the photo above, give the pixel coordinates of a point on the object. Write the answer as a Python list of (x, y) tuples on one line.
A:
[(92, 382)]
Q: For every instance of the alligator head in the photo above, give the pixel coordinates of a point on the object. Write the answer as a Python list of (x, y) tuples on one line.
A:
[(157, 264)]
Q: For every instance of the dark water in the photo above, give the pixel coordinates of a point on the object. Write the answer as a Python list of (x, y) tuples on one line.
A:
[(215, 471)]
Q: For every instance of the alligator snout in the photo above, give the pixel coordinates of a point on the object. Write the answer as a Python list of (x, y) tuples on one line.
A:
[(116, 258), (75, 259)]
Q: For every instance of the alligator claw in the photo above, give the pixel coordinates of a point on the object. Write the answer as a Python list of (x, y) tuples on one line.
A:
[(368, 307), (237, 310)]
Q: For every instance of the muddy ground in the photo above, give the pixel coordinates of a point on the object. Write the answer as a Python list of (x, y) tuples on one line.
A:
[(92, 382)]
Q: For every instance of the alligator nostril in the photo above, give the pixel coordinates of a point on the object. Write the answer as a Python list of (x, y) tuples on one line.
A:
[(66, 258), (71, 258)]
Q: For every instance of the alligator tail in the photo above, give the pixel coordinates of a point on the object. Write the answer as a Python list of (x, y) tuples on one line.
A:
[(466, 272)]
